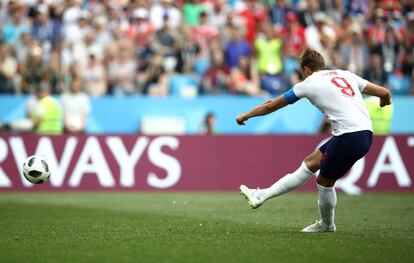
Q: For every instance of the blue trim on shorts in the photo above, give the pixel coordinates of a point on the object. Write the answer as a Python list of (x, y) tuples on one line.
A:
[(290, 96)]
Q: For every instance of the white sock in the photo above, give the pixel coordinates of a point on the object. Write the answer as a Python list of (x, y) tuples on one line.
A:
[(327, 203), (286, 184)]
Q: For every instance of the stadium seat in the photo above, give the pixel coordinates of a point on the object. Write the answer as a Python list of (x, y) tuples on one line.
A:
[(399, 85), (184, 85)]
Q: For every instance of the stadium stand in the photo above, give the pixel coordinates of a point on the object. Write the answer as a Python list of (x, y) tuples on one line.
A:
[(166, 48)]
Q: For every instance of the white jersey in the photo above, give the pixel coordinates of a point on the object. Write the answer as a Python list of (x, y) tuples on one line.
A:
[(337, 94)]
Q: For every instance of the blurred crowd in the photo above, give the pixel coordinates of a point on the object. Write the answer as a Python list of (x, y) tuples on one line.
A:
[(190, 47)]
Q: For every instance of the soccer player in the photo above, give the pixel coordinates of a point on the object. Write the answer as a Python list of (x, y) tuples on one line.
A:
[(338, 95)]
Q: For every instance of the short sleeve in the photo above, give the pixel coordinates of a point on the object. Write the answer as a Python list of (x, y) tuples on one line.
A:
[(300, 90), (362, 83)]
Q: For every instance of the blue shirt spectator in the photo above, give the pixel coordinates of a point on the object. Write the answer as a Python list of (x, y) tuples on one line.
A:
[(14, 29), (278, 13), (45, 29), (235, 48)]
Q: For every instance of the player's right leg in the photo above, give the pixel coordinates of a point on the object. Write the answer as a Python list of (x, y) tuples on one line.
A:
[(339, 155), (289, 182)]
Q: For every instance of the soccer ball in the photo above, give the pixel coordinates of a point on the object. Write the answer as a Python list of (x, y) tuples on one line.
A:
[(36, 169)]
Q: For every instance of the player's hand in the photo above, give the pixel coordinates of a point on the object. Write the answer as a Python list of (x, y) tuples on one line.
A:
[(384, 101), (241, 119)]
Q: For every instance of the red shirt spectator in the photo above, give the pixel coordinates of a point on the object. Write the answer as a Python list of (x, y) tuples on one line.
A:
[(294, 36), (252, 13), (141, 29), (204, 33), (217, 78), (376, 33), (390, 6)]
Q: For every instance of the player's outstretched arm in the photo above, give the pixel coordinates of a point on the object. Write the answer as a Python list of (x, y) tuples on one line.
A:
[(263, 109), (378, 91)]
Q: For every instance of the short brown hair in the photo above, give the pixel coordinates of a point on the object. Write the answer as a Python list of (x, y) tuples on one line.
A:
[(312, 59)]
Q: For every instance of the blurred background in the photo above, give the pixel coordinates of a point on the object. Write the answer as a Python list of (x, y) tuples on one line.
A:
[(189, 67)]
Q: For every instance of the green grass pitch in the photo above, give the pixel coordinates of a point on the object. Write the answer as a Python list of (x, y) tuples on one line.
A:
[(201, 227)]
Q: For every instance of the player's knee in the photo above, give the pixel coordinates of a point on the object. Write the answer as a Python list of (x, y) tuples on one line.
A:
[(313, 161), (324, 181)]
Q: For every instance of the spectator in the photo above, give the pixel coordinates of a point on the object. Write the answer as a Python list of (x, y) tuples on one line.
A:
[(33, 70), (102, 34), (359, 7), (47, 114), (245, 78), (23, 46), (140, 29), (236, 48), (115, 18), (119, 39), (294, 39), (217, 14), (376, 33), (252, 11), (344, 28), (269, 51), (15, 28), (4, 11), (232, 21), (217, 78), (81, 51), (76, 107), (168, 42), (390, 6), (74, 22), (407, 59), (155, 80), (336, 12), (390, 50), (320, 36), (308, 9), (354, 52), (44, 29), (208, 127), (190, 50), (95, 76), (165, 9), (191, 12), (8, 68), (381, 116), (68, 32), (278, 13), (337, 62), (57, 67), (121, 73), (375, 72), (204, 34)]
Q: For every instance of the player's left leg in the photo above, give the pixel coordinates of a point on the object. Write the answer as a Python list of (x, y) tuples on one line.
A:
[(289, 182), (326, 205)]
